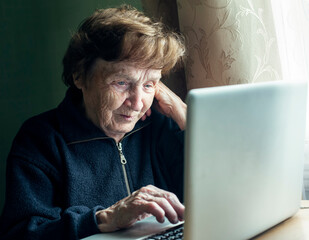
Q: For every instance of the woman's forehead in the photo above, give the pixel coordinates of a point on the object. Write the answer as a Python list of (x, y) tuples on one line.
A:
[(126, 69)]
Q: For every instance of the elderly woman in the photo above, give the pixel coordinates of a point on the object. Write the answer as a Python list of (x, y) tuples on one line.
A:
[(112, 152)]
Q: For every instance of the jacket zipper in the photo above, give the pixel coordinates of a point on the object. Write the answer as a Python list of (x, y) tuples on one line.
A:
[(123, 163), (122, 157)]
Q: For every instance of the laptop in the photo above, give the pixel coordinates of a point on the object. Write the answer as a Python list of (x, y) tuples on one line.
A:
[(244, 153)]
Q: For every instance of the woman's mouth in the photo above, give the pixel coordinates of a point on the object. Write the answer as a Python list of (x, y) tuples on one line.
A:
[(127, 117)]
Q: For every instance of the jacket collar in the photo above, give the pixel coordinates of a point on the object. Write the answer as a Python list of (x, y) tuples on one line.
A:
[(75, 126)]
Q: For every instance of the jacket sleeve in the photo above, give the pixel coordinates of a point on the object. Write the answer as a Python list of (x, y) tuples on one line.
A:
[(34, 208), (169, 149)]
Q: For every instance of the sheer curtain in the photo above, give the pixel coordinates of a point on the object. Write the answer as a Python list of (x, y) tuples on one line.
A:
[(292, 25)]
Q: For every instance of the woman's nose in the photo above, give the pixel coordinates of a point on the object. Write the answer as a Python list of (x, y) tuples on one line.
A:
[(134, 100)]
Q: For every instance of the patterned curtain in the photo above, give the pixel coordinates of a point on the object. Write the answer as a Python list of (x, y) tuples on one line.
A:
[(229, 42)]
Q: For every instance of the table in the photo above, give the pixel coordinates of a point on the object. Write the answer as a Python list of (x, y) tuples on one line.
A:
[(294, 228)]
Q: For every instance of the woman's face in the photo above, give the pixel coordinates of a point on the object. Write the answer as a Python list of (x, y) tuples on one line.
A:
[(117, 95)]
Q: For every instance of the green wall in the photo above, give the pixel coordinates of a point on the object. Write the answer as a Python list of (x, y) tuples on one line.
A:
[(34, 35)]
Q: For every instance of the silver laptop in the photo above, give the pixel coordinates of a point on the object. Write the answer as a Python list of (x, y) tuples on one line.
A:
[(244, 157)]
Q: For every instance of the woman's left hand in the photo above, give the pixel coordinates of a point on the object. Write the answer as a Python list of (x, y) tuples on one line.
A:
[(170, 105)]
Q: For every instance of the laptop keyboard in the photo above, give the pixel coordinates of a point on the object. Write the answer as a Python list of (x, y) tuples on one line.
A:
[(174, 233)]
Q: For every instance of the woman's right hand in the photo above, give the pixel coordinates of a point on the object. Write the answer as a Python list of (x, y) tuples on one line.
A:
[(144, 202)]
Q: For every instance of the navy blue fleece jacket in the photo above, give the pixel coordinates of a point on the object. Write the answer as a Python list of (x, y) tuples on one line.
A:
[(62, 169)]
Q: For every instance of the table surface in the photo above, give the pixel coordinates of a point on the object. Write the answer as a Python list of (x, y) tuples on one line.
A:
[(294, 228)]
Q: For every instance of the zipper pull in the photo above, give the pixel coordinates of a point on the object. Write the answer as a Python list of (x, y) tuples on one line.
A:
[(123, 160)]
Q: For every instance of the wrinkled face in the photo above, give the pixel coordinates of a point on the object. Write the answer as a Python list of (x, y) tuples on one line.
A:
[(116, 96)]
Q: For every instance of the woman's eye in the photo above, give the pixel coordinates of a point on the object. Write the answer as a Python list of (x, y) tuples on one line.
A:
[(148, 85), (121, 83)]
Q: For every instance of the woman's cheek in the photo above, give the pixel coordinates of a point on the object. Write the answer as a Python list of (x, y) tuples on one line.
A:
[(149, 101), (113, 100)]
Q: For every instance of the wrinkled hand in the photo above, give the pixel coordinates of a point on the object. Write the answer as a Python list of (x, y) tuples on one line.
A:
[(170, 105), (144, 202)]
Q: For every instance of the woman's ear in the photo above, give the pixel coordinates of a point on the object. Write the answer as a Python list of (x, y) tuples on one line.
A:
[(77, 80)]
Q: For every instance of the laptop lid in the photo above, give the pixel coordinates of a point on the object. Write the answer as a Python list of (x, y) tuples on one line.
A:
[(243, 158)]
